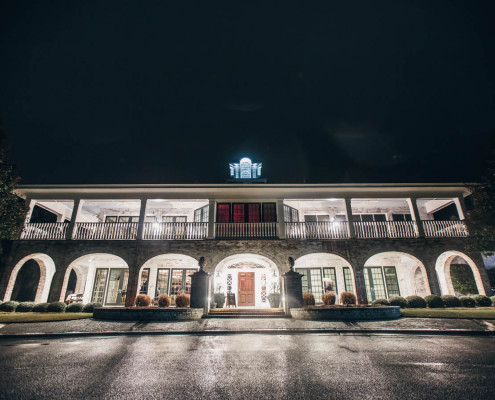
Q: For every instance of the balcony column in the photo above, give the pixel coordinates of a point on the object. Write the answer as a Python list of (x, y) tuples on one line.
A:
[(461, 207), (211, 219), (348, 217), (142, 215), (72, 223), (280, 219), (413, 207)]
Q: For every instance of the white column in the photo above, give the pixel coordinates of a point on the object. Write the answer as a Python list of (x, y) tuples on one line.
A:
[(280, 219), (348, 217), (413, 207), (142, 214), (72, 223), (30, 203), (461, 207), (211, 219)]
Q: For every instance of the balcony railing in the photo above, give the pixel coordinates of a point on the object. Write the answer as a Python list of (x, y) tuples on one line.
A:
[(256, 230), (385, 229), (316, 230), (444, 228), (105, 230), (175, 230), (45, 231)]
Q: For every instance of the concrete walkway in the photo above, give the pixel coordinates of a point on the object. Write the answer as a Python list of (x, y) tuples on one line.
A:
[(90, 327)]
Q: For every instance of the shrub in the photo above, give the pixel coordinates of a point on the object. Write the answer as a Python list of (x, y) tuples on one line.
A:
[(308, 299), (56, 307), (74, 307), (491, 298), (90, 307), (9, 306), (398, 301), (328, 299), (163, 301), (25, 306), (434, 301), (415, 302), (182, 300), (380, 302), (219, 299), (482, 301), (347, 298), (451, 301), (274, 300), (143, 300), (467, 301), (40, 307)]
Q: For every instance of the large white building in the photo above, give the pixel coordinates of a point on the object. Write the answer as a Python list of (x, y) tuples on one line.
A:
[(109, 242)]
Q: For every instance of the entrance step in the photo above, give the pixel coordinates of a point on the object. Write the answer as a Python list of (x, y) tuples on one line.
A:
[(246, 313)]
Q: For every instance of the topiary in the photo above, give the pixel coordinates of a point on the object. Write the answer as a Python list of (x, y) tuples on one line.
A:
[(481, 300), (347, 298), (143, 300), (182, 300), (74, 307), (9, 306), (163, 301), (398, 301), (451, 301), (329, 299), (90, 307), (219, 299), (56, 307), (467, 301), (380, 302), (491, 298), (40, 307), (25, 306), (308, 299), (434, 301), (415, 302)]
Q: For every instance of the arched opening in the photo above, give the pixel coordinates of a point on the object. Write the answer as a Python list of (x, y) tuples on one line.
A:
[(458, 274), (27, 282), (325, 272), (247, 278), (35, 279), (167, 274), (100, 278), (392, 274)]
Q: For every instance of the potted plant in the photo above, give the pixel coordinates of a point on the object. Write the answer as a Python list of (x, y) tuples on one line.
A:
[(274, 300), (219, 298)]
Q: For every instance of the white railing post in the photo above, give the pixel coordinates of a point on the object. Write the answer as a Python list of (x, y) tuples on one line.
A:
[(73, 217)]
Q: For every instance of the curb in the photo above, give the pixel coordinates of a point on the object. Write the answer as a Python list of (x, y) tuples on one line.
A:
[(460, 332)]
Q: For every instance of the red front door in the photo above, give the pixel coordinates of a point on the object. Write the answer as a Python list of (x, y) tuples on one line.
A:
[(246, 288)]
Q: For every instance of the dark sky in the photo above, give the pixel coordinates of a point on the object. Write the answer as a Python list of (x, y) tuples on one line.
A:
[(171, 91)]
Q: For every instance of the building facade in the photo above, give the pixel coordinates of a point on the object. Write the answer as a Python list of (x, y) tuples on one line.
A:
[(111, 242)]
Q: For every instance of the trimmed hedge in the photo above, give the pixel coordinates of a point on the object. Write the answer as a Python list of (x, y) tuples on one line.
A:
[(347, 298), (56, 307), (482, 301), (451, 301), (434, 301), (74, 307), (467, 301), (25, 306), (382, 302), (182, 300), (9, 306), (143, 300), (491, 298), (89, 308), (40, 307), (308, 299), (328, 299), (415, 302), (163, 301), (398, 301)]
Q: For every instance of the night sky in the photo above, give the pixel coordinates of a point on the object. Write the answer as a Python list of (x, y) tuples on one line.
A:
[(319, 92)]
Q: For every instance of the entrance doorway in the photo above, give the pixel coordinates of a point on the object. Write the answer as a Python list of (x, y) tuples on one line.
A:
[(246, 289)]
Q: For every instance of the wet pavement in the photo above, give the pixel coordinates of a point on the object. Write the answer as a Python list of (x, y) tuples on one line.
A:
[(346, 366)]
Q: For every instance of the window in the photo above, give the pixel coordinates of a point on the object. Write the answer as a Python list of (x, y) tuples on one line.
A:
[(269, 212), (291, 214), (201, 214), (391, 281), (330, 279), (246, 212), (162, 281), (401, 217), (349, 287), (122, 218), (223, 213), (312, 280), (181, 282), (99, 285), (174, 219), (381, 282), (369, 217), (316, 218), (145, 276)]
